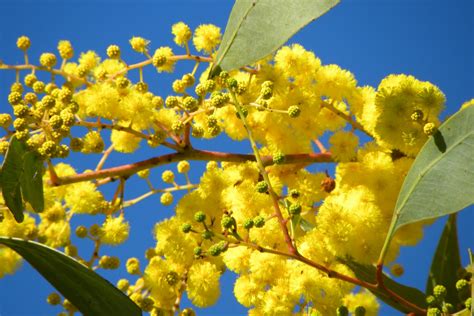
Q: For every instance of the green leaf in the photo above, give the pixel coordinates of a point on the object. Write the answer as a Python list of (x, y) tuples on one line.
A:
[(257, 28), (86, 290), (367, 273), (305, 225), (12, 170), (446, 262), (31, 181), (440, 182), (21, 178)]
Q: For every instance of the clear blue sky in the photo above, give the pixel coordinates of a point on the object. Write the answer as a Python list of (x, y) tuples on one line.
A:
[(432, 40)]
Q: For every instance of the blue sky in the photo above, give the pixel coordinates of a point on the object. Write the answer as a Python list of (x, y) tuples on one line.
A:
[(429, 39)]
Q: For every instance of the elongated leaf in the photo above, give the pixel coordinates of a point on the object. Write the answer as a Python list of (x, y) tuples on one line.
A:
[(367, 273), (441, 180), (446, 262), (12, 170), (257, 28), (89, 292), (31, 181)]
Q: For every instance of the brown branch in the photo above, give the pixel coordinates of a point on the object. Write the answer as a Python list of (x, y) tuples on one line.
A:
[(52, 71), (190, 154)]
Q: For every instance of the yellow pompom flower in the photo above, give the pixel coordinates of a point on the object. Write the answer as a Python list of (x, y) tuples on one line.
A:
[(124, 142), (48, 60), (114, 231), (10, 261), (65, 49), (139, 44), (89, 60), (84, 198), (296, 62), (203, 284), (182, 33), (398, 98), (166, 198), (335, 83), (54, 234), (343, 146), (154, 278), (167, 176), (247, 290), (207, 37), (365, 299), (23, 43), (162, 61), (183, 166)]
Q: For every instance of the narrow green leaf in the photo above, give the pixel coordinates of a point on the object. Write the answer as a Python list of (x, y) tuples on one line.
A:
[(12, 170), (440, 182), (367, 273), (446, 262), (86, 290), (463, 312), (305, 225), (257, 28), (31, 181)]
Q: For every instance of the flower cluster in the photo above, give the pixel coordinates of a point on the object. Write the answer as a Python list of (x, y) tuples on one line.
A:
[(256, 215)]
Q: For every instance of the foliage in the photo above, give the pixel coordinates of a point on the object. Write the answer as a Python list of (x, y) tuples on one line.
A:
[(300, 241)]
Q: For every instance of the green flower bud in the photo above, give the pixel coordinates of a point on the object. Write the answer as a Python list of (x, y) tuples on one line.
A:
[(259, 221), (342, 311), (123, 285), (448, 308), (468, 303), (227, 222), (172, 278), (294, 209), (278, 158), (197, 251), (266, 93), (359, 311), (232, 83), (294, 194), (53, 299), (199, 217), (262, 187), (294, 111), (248, 224), (214, 250), (81, 231), (207, 235), (429, 129), (439, 291), (431, 300), (186, 228), (462, 285), (433, 311)]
